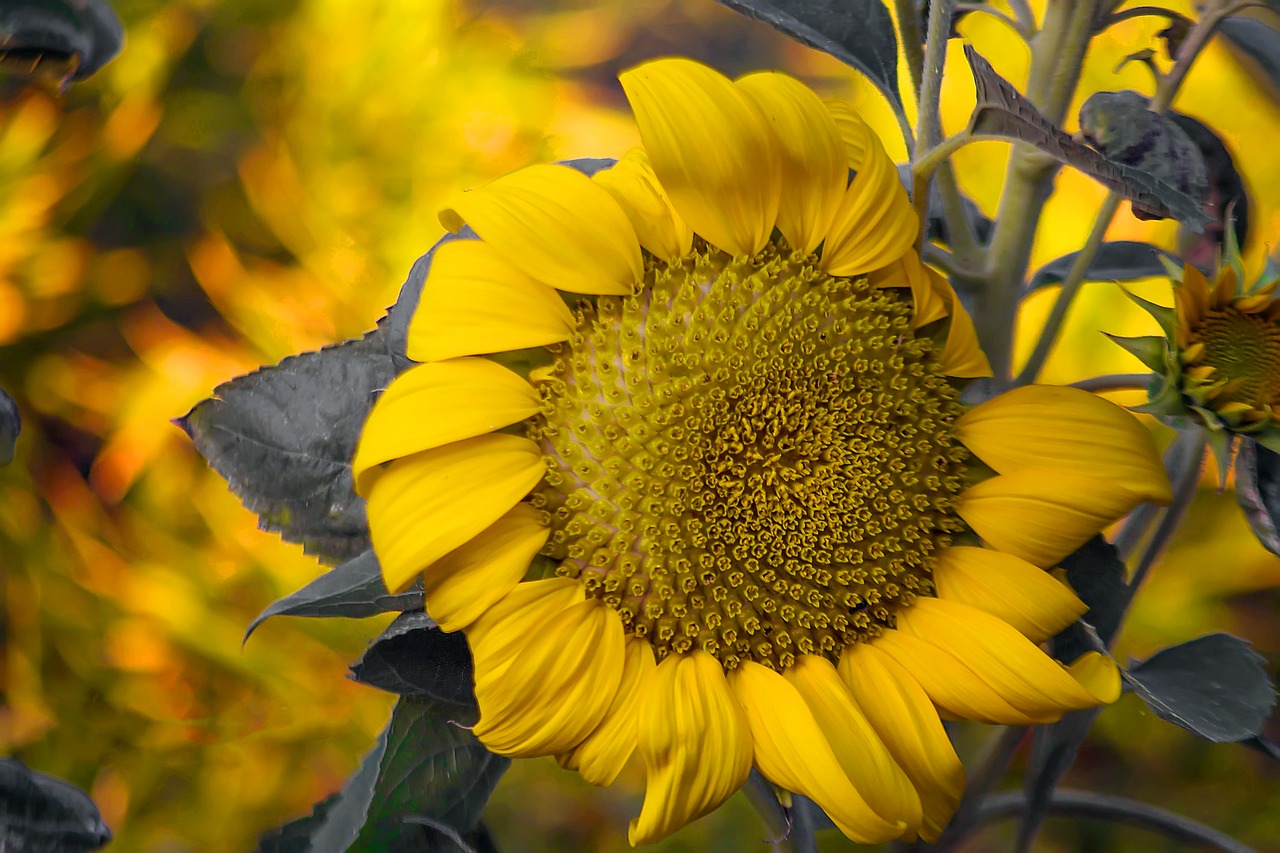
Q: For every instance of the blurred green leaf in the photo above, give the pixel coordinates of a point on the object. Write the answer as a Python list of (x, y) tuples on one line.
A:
[(1258, 491), (65, 39), (856, 32), (1004, 113), (1213, 686), (426, 777), (1120, 260), (1258, 42), (284, 436), (39, 812), (354, 589), (413, 657), (10, 426)]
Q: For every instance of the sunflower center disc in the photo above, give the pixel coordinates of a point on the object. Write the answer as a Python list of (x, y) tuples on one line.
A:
[(750, 457), (1244, 348)]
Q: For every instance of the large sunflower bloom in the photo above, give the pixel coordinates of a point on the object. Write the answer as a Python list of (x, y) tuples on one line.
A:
[(720, 510)]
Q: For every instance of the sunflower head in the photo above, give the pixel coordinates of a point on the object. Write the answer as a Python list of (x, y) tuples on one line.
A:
[(1218, 361), (685, 458)]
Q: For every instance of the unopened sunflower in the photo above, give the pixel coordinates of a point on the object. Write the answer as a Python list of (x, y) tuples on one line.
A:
[(721, 507), (1217, 362)]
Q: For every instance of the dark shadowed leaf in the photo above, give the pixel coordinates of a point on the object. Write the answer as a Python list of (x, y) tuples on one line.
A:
[(426, 774), (413, 657), (354, 589), (1214, 686), (283, 437), (61, 39), (1258, 491), (1121, 260), (41, 813), (1227, 193), (856, 32), (1265, 745), (1097, 575), (1257, 44), (10, 426), (1053, 751), (1004, 113)]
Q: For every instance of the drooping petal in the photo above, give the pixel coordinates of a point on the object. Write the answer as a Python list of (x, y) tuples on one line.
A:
[(810, 152), (957, 690), (1030, 599), (851, 128), (1013, 665), (693, 737), (710, 148), (792, 752), (436, 403), (498, 634), (962, 356), (908, 271), (904, 717), (469, 580), (1043, 514), (1097, 674), (474, 302), (874, 224), (635, 188), (423, 506), (604, 752), (555, 689), (862, 755), (1049, 426), (557, 225)]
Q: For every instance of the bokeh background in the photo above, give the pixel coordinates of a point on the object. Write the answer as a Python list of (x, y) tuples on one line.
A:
[(252, 178)]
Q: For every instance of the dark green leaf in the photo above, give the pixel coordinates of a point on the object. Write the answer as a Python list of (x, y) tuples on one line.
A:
[(283, 437), (1257, 43), (295, 836), (1213, 686), (1097, 575), (413, 657), (856, 32), (1004, 113), (1121, 260), (39, 812), (354, 589), (10, 426), (64, 39), (1227, 194), (1258, 491)]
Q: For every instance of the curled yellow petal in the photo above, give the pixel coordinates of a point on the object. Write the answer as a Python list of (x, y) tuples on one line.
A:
[(423, 506), (557, 225), (1030, 599), (503, 629), (436, 403), (908, 271), (475, 302), (710, 148), (635, 188), (792, 752), (693, 737), (603, 753), (810, 153), (962, 356), (1046, 426)]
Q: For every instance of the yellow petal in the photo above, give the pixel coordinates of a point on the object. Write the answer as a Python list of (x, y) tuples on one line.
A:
[(556, 225), (1014, 666), (792, 752), (862, 755), (908, 271), (710, 148), (635, 188), (962, 356), (423, 506), (555, 689), (1224, 288), (1043, 514), (695, 743), (874, 224), (1028, 598), (1048, 426), (852, 130), (499, 633), (1191, 297), (957, 690), (437, 403), (811, 155), (903, 715), (469, 580), (1098, 674), (474, 302), (604, 752)]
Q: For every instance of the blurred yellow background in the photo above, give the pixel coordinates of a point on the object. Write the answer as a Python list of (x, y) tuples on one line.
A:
[(252, 178)]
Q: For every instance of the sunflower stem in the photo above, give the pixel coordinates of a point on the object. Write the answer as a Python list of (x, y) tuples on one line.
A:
[(1114, 382), (1189, 459)]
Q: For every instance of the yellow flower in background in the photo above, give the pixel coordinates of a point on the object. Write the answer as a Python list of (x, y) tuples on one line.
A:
[(720, 510)]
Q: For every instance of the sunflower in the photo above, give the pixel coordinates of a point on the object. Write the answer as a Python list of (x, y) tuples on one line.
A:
[(722, 507), (1217, 363)]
